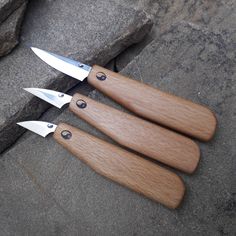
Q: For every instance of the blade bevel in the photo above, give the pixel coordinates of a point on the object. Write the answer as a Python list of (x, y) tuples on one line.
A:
[(41, 128), (67, 66), (55, 98)]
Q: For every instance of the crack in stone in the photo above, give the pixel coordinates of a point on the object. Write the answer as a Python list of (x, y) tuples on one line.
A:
[(41, 188)]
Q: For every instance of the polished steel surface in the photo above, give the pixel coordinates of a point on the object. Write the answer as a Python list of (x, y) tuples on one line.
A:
[(55, 98), (68, 66), (39, 127)]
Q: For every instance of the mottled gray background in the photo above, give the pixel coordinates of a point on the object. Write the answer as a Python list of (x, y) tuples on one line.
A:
[(187, 48)]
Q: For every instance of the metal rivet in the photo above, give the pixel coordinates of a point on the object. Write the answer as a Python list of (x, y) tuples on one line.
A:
[(66, 134), (81, 103), (60, 95), (49, 126), (101, 76)]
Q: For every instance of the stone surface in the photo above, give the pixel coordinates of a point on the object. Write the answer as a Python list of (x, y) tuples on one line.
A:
[(9, 6), (79, 29), (218, 16), (10, 30), (187, 61), (20, 193)]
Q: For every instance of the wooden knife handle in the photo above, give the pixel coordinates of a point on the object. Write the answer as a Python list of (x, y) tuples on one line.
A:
[(142, 136), (122, 166), (166, 109)]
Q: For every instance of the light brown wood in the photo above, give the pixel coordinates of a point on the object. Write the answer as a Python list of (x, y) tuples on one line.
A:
[(142, 136), (123, 167), (166, 109)]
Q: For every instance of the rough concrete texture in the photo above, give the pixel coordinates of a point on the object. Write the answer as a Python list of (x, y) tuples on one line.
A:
[(9, 6), (59, 195), (218, 16), (10, 30), (83, 30)]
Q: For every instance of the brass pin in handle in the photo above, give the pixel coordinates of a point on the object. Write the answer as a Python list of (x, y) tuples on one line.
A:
[(121, 166), (137, 134), (166, 109)]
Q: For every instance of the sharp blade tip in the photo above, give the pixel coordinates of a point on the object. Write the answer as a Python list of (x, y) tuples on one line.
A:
[(35, 50), (28, 89), (21, 123)]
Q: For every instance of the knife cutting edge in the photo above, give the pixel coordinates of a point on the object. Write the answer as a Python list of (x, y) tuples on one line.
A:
[(135, 133), (171, 111), (113, 162)]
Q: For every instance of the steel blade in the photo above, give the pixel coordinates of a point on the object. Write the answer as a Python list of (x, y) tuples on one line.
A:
[(39, 127), (53, 97), (68, 66)]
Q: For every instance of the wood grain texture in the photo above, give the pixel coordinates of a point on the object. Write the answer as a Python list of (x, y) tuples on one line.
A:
[(166, 109), (123, 167), (142, 136)]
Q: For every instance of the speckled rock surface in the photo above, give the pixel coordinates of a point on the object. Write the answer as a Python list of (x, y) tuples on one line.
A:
[(46, 191), (10, 30), (79, 29), (216, 15), (9, 6)]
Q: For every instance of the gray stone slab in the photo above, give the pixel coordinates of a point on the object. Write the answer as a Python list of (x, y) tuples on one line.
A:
[(187, 61), (84, 30), (9, 6), (218, 16), (26, 209), (10, 30)]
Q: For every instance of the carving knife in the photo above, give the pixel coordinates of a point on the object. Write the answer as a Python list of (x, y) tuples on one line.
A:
[(113, 162), (130, 131), (166, 109)]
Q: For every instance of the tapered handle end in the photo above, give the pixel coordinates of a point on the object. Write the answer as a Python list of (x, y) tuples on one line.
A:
[(123, 167), (171, 111)]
